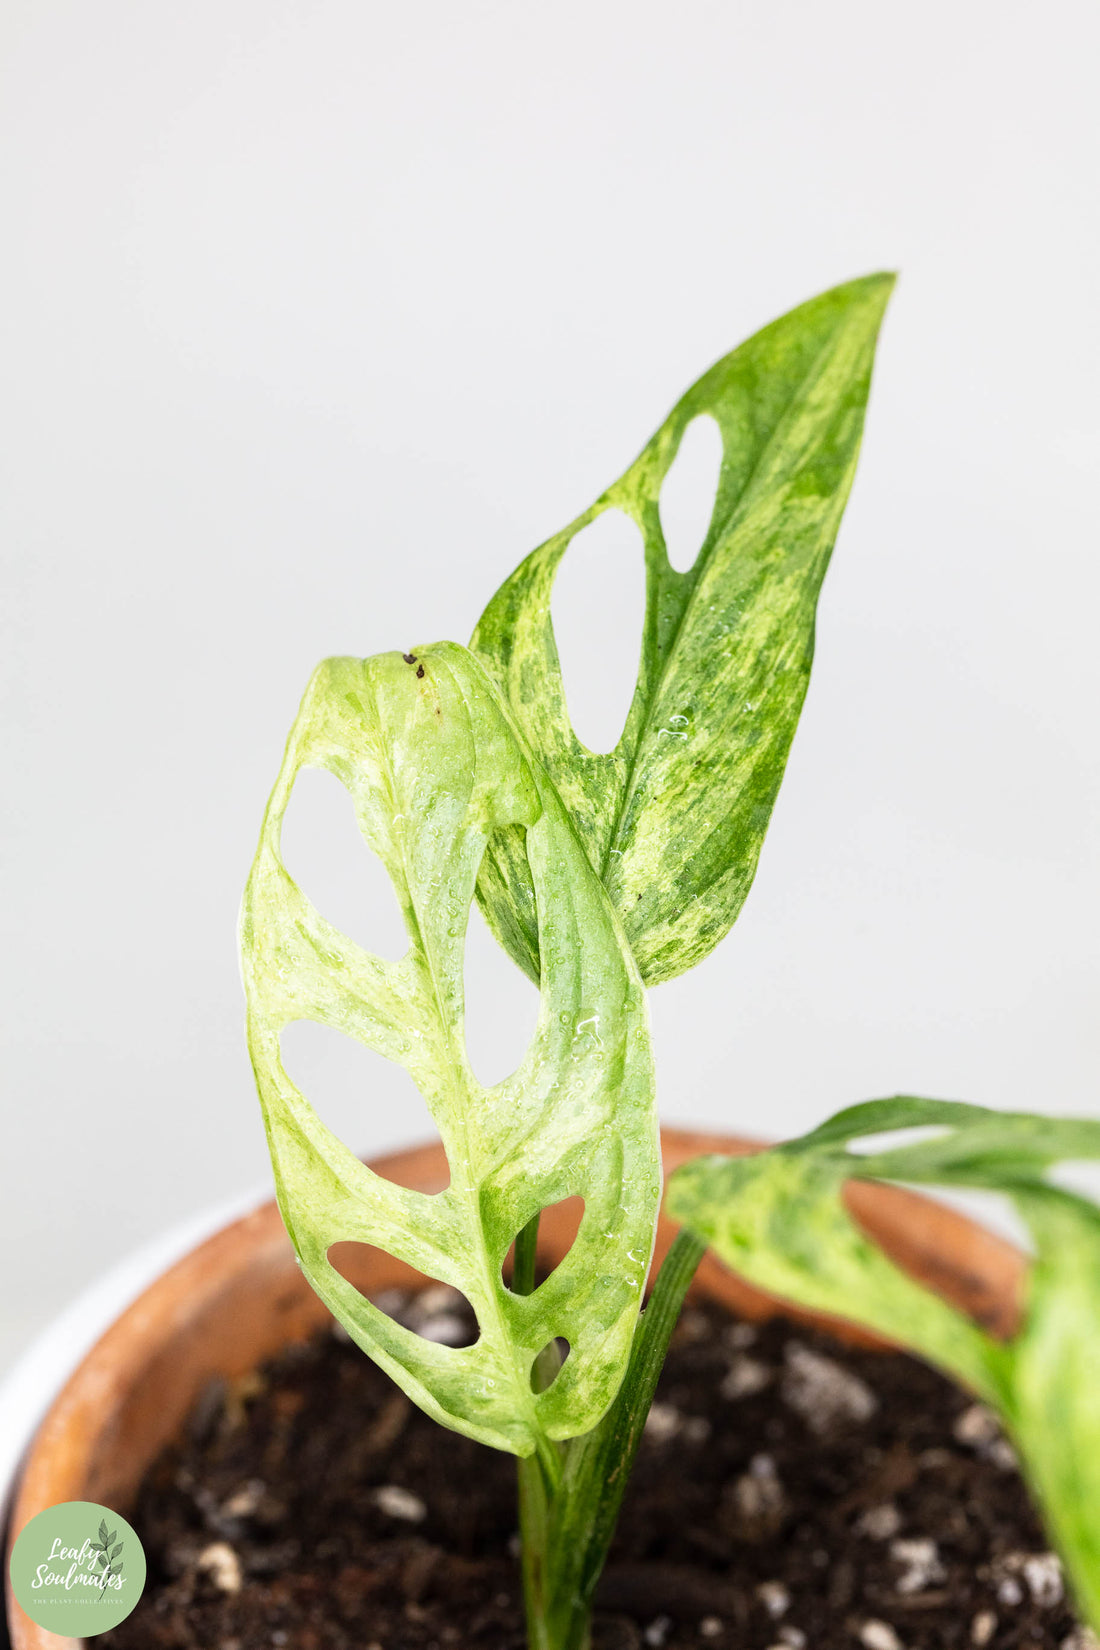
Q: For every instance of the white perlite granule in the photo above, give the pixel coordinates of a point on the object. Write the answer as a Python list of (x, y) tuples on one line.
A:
[(1043, 1574), (437, 1298), (920, 1561), (393, 1302), (880, 1522), (444, 1328), (396, 1502), (774, 1597), (243, 1502), (758, 1499), (741, 1335), (822, 1392), (745, 1377), (879, 1635), (696, 1429), (976, 1426), (662, 1423), (979, 1429), (223, 1564)]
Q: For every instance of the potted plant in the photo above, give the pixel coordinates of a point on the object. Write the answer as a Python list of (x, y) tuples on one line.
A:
[(601, 875)]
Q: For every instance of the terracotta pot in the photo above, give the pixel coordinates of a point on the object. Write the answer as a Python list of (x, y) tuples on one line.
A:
[(240, 1297)]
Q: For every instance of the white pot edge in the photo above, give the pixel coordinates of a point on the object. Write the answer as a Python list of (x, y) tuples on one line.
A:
[(37, 1376)]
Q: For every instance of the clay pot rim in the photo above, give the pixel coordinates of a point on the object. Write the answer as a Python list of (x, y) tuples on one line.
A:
[(965, 1262)]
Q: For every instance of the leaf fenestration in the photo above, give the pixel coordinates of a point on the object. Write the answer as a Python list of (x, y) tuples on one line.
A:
[(674, 817), (434, 768)]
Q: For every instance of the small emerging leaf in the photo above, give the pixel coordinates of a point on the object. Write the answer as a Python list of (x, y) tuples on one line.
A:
[(674, 817), (779, 1220), (434, 768)]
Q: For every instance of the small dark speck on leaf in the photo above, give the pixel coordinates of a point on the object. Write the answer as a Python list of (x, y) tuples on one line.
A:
[(420, 671), (409, 658)]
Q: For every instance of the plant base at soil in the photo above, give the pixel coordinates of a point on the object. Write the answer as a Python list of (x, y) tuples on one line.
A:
[(789, 1492)]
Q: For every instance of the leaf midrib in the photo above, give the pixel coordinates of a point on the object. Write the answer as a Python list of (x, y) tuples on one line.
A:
[(466, 1189)]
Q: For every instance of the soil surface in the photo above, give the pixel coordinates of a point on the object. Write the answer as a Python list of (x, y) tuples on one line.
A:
[(789, 1492)]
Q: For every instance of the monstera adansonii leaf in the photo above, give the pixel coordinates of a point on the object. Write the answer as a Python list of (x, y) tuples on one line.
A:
[(779, 1219), (674, 817), (434, 768)]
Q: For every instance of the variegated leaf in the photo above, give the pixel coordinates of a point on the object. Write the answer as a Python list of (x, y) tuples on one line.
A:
[(674, 817), (779, 1220), (434, 769)]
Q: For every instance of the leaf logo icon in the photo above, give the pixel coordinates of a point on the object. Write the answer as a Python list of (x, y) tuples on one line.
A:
[(108, 1555)]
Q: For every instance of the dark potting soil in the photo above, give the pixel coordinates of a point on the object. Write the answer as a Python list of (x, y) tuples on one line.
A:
[(789, 1492)]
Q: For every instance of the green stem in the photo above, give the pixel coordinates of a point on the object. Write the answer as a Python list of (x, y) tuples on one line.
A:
[(535, 1497), (567, 1529), (599, 1465), (538, 1476), (523, 1260)]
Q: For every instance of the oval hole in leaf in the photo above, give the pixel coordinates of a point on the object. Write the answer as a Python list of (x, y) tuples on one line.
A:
[(502, 1006), (548, 1363), (1081, 1176), (362, 1097), (431, 1309), (324, 851), (892, 1140), (991, 1209), (689, 490), (559, 1224), (598, 609)]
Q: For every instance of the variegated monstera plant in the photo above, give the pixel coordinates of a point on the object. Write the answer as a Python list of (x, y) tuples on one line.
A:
[(601, 875)]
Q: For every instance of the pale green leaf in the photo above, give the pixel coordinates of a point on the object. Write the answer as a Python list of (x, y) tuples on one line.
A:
[(434, 768), (1055, 1393), (674, 817), (779, 1220)]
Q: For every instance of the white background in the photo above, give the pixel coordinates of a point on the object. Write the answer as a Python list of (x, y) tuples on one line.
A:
[(317, 316)]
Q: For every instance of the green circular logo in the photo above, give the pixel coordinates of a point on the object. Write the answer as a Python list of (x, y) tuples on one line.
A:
[(77, 1569)]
